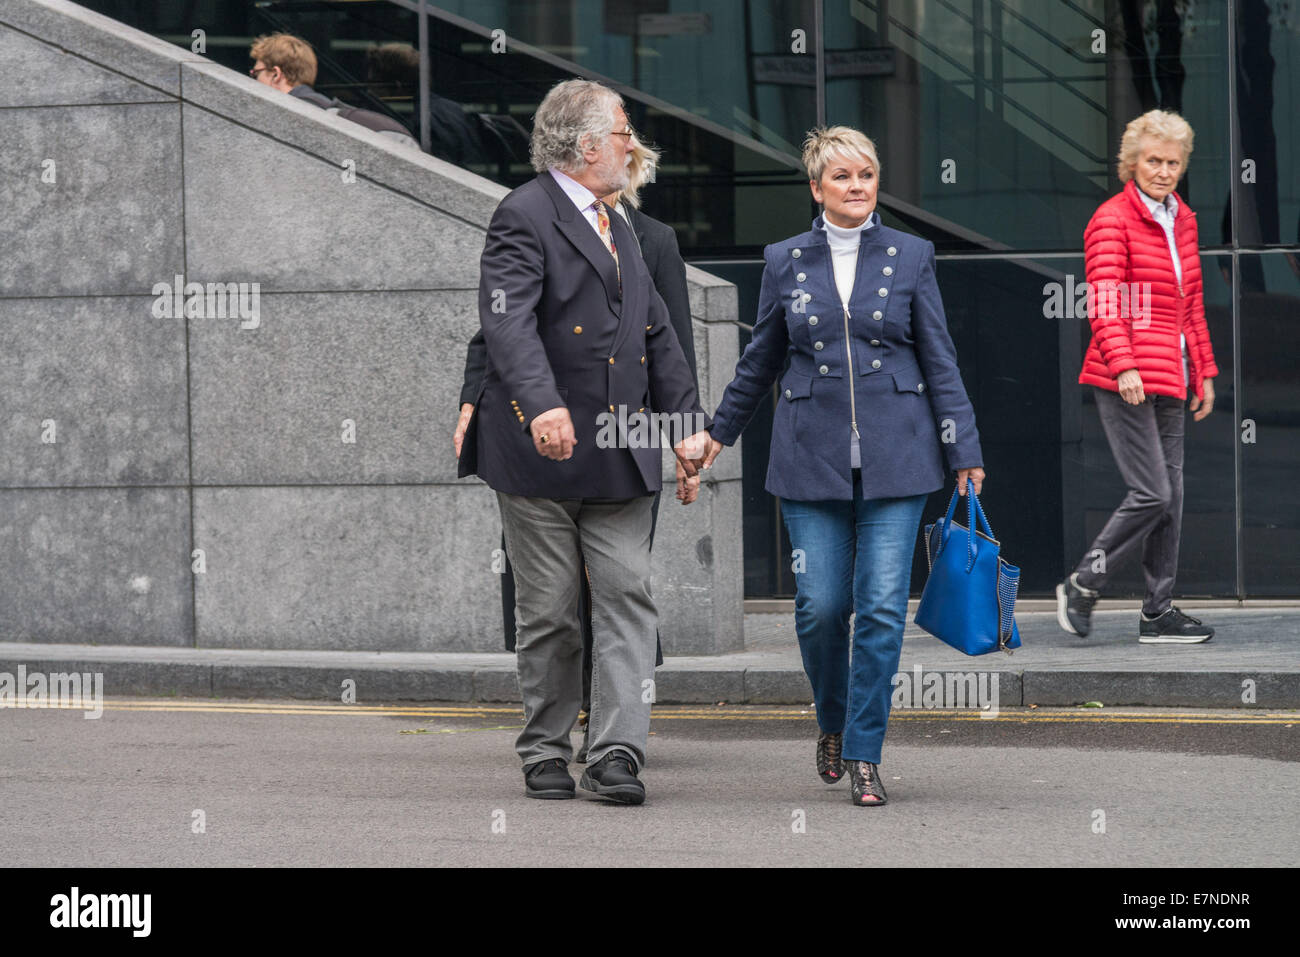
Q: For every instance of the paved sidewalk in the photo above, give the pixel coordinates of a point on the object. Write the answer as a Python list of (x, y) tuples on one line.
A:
[(1255, 653)]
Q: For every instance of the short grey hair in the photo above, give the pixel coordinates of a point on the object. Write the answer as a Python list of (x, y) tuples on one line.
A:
[(573, 111)]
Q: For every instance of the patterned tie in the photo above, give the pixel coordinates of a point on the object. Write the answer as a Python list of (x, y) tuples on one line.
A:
[(602, 220)]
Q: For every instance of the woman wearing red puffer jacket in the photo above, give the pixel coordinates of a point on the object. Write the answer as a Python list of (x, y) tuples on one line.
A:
[(1149, 342)]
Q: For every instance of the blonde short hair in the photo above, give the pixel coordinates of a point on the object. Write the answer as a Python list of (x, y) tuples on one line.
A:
[(293, 55), (824, 142), (1158, 124)]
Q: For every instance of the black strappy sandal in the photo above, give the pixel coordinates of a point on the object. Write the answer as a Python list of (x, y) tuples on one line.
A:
[(829, 764), (864, 779)]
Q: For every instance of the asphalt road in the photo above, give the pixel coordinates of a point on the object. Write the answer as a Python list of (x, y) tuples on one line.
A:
[(297, 783)]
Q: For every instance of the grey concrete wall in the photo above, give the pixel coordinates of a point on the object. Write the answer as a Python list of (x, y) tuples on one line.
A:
[(184, 480)]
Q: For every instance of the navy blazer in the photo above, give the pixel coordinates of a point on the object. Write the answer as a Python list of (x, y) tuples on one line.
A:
[(562, 331), (662, 257), (903, 375)]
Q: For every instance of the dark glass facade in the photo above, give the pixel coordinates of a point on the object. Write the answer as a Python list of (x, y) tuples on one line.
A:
[(997, 124)]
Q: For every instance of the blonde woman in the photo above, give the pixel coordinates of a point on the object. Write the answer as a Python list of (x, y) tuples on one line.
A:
[(872, 385), (1141, 247)]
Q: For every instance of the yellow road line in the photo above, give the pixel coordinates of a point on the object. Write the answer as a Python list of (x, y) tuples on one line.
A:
[(1052, 715)]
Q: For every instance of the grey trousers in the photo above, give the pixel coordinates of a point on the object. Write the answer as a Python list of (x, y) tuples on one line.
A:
[(1147, 442), (546, 541)]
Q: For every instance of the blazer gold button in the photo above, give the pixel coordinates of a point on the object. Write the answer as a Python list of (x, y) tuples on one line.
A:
[(877, 315), (642, 409), (888, 270), (812, 320), (819, 346), (611, 408), (611, 360), (875, 342), (920, 387), (882, 292), (824, 369), (795, 253), (875, 363), (802, 276), (788, 393), (892, 250), (577, 330), (643, 360), (807, 297), (649, 327)]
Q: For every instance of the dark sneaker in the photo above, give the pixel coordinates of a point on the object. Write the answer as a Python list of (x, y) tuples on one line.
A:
[(548, 780), (864, 782), (614, 777), (829, 764), (586, 743), (1173, 628), (1074, 606)]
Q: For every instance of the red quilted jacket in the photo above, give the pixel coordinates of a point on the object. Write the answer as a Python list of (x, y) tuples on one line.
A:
[(1125, 250)]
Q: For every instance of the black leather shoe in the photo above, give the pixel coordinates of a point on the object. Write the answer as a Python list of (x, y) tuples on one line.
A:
[(1173, 627), (864, 779), (829, 764), (614, 777), (548, 780), (1074, 606)]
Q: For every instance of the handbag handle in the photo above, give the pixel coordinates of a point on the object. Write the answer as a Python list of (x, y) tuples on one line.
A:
[(974, 512)]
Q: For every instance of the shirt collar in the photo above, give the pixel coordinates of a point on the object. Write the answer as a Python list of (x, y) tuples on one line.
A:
[(581, 196), (1170, 204)]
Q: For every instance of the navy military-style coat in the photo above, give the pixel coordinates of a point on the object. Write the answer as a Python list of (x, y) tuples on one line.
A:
[(562, 331), (897, 363)]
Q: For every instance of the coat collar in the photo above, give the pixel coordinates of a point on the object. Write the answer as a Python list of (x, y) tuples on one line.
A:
[(819, 229), (578, 231), (1135, 200)]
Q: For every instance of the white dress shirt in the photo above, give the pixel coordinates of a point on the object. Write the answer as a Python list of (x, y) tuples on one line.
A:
[(1165, 213), (581, 196)]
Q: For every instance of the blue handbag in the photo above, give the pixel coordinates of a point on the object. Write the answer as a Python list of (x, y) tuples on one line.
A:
[(969, 600)]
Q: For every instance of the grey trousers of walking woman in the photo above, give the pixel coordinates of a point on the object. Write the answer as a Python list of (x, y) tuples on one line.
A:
[(1147, 442)]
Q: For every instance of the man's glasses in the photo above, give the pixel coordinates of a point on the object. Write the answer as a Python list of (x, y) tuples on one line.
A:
[(264, 69), (629, 133)]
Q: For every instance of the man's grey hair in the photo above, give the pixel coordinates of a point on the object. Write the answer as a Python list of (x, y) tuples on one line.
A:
[(573, 112)]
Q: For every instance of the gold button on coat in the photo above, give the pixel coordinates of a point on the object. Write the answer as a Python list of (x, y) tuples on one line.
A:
[(577, 330)]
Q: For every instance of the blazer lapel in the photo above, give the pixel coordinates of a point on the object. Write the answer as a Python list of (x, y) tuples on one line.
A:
[(624, 241), (578, 231)]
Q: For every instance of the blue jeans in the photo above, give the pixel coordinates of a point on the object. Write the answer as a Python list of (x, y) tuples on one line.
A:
[(852, 556)]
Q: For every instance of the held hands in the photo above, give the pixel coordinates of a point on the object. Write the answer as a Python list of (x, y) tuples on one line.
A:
[(976, 477), (688, 486), (466, 411), (690, 453), (1203, 408), (553, 435), (1130, 389)]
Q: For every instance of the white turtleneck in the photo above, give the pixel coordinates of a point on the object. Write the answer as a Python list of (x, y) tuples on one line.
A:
[(844, 254)]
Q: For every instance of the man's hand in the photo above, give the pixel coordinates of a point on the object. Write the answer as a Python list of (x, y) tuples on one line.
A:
[(466, 411), (688, 486), (712, 452), (553, 434), (1130, 389), (976, 477), (691, 450), (1204, 408)]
